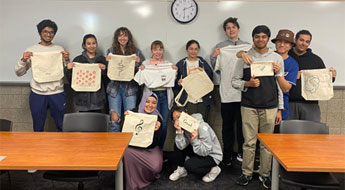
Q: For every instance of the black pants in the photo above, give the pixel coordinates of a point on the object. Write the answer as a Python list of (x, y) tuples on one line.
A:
[(231, 115), (195, 164)]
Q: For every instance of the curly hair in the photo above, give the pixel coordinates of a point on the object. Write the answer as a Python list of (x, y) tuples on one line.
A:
[(46, 23), (130, 46)]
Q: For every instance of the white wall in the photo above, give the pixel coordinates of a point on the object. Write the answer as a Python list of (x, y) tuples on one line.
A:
[(151, 19)]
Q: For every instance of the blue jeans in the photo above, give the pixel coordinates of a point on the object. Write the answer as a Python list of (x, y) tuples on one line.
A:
[(39, 105), (163, 108), (115, 104)]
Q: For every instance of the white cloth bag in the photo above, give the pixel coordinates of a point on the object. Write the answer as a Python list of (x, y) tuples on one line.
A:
[(121, 68), (86, 77), (317, 84), (47, 66), (154, 76), (188, 122), (142, 126), (197, 84), (262, 68)]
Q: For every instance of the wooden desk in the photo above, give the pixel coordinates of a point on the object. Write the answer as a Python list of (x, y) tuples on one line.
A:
[(307, 153), (64, 151)]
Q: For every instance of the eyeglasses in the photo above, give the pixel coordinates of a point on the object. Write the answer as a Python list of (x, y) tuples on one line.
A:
[(48, 32)]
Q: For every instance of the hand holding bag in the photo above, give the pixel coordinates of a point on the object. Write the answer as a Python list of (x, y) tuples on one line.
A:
[(317, 84), (142, 126), (86, 77), (197, 84)]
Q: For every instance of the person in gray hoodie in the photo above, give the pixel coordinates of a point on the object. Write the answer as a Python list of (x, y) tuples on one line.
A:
[(261, 99), (202, 147)]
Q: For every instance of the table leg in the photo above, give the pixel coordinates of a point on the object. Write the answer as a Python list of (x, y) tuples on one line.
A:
[(119, 177), (275, 174)]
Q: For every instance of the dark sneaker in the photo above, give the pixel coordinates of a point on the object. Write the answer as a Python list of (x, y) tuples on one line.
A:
[(244, 180), (226, 162), (266, 181)]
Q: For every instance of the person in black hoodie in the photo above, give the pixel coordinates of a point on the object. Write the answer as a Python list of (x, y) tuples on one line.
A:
[(299, 107), (188, 65), (90, 101)]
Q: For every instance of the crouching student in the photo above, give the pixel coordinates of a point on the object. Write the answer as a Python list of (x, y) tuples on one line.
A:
[(143, 165), (202, 147)]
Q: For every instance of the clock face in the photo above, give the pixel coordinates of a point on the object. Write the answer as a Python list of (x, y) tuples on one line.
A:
[(184, 11)]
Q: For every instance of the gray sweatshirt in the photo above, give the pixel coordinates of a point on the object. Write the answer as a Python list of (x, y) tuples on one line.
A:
[(268, 94), (206, 144)]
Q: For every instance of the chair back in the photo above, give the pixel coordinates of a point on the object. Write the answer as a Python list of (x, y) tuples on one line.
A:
[(303, 127), (5, 125), (85, 122)]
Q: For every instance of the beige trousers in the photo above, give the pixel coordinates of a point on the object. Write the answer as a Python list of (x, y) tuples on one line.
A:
[(256, 121)]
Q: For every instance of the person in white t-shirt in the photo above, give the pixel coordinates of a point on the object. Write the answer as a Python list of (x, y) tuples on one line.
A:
[(165, 95)]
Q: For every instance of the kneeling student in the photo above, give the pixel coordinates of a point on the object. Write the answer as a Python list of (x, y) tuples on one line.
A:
[(202, 147)]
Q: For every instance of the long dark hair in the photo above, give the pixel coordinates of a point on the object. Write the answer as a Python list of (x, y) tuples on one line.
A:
[(130, 46)]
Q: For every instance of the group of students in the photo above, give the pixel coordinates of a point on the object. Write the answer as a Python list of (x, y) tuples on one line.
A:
[(248, 103)]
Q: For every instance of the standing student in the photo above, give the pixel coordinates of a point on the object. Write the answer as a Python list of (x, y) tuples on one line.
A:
[(90, 101), (283, 42), (165, 95), (261, 99), (48, 95), (143, 165), (201, 146), (299, 107), (122, 92), (185, 67), (229, 96)]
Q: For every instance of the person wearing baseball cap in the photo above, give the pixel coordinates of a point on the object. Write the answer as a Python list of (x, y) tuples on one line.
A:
[(284, 42)]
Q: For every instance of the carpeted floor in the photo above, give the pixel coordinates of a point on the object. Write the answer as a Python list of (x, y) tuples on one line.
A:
[(22, 180)]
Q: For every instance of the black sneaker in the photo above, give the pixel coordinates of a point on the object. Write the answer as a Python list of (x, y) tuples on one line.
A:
[(244, 180), (266, 181), (227, 162)]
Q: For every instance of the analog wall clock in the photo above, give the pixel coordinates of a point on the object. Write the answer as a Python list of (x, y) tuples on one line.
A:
[(184, 11)]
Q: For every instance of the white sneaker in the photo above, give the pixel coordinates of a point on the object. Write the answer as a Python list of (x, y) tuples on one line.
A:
[(32, 171), (178, 173), (212, 175)]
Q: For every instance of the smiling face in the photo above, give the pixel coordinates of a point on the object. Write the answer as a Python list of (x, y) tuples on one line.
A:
[(47, 35), (231, 31), (123, 39), (303, 42), (283, 46), (90, 45), (193, 51), (157, 52), (260, 40), (150, 105)]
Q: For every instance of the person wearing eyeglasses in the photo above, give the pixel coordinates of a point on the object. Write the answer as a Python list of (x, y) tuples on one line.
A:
[(44, 95)]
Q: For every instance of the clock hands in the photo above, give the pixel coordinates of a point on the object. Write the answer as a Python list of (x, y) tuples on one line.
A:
[(184, 10)]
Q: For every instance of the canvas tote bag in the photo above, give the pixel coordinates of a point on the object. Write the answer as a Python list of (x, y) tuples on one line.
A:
[(47, 66), (142, 126), (317, 84), (188, 122), (86, 77), (262, 68), (197, 84), (121, 68)]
